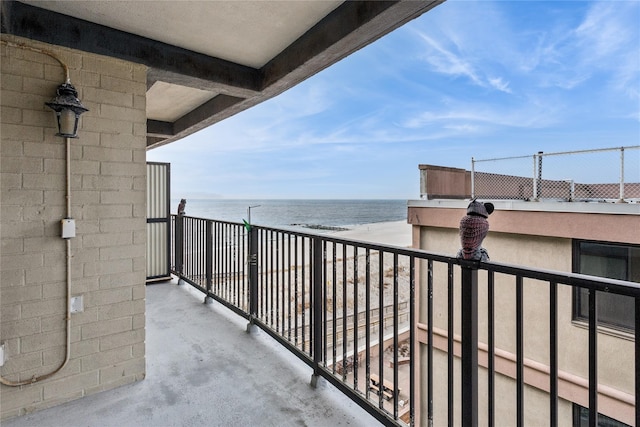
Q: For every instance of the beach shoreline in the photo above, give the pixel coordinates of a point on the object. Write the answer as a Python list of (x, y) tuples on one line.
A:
[(394, 233)]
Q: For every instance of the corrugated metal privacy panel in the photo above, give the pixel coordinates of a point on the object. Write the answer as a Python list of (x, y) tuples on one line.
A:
[(158, 221), (157, 190)]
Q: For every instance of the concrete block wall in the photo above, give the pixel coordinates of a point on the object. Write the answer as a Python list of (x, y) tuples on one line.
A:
[(108, 184)]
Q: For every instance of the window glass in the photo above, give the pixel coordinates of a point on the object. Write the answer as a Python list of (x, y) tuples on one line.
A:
[(614, 262), (581, 418)]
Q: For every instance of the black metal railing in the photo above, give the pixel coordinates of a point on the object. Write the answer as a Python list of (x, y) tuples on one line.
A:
[(349, 310)]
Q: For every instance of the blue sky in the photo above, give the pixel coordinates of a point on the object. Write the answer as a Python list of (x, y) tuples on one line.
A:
[(479, 79)]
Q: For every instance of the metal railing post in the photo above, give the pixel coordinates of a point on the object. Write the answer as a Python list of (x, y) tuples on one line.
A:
[(179, 247), (316, 318), (208, 260), (469, 359), (253, 276), (621, 175)]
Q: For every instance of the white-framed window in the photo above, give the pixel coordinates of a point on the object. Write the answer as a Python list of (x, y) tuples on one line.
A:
[(612, 260)]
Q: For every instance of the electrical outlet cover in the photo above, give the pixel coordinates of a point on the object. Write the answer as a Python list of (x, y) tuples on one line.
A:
[(76, 304)]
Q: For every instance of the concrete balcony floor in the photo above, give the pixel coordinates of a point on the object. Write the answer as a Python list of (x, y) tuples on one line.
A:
[(203, 369)]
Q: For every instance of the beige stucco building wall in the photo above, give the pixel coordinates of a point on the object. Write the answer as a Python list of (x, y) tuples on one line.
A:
[(108, 185), (537, 235)]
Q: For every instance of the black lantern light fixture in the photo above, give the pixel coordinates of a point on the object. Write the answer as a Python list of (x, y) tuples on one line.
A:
[(68, 109)]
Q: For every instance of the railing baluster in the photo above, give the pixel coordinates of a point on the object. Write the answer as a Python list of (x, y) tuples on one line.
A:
[(593, 358), (277, 283), (492, 350), (271, 281), (395, 336), (519, 354), (208, 261), (553, 354), (469, 362), (179, 245), (237, 275), (367, 314), (412, 339), (335, 306), (637, 358), (381, 324), (304, 292), (295, 293), (289, 288), (355, 317), (253, 275), (325, 306), (219, 266), (430, 342), (317, 309), (450, 356), (344, 312)]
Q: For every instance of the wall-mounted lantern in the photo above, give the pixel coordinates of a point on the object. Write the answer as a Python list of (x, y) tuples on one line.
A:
[(68, 109)]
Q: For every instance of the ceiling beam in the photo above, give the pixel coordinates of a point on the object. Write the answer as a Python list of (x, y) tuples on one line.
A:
[(348, 28), (174, 64), (159, 129), (210, 109)]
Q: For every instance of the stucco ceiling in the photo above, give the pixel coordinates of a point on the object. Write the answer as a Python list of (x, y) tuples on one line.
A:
[(246, 32), (209, 60)]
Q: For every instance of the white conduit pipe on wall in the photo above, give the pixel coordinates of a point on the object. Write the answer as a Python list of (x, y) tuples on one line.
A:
[(35, 379)]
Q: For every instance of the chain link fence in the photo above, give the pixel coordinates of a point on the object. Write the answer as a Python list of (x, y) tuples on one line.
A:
[(611, 174)]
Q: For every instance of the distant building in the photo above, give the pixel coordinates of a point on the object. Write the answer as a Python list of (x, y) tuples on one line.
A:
[(595, 238)]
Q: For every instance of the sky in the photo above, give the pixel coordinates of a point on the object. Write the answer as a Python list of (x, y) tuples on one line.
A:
[(482, 79)]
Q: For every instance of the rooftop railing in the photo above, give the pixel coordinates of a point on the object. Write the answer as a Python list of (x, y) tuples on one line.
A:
[(611, 174), (349, 309)]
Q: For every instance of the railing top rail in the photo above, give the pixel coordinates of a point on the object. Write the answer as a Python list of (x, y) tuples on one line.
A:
[(621, 287), (209, 219), (593, 150), (474, 160), (603, 284)]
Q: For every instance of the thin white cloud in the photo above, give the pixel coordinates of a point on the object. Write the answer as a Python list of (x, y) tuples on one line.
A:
[(604, 42), (604, 31), (472, 118), (447, 62), (500, 84)]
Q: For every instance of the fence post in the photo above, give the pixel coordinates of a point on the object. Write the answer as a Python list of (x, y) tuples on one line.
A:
[(572, 190), (317, 310), (469, 359), (538, 174), (208, 261), (473, 178), (253, 275), (179, 246), (621, 175)]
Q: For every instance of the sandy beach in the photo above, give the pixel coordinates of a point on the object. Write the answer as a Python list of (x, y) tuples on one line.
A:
[(396, 233)]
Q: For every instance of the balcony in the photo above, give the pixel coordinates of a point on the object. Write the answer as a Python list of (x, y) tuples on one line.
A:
[(410, 337)]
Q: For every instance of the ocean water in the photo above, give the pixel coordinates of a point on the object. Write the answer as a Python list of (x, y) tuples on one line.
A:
[(317, 214)]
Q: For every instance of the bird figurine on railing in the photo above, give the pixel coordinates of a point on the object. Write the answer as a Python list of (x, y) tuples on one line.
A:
[(182, 206), (473, 229)]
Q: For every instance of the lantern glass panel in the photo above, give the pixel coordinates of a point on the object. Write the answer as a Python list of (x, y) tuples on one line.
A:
[(68, 122)]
